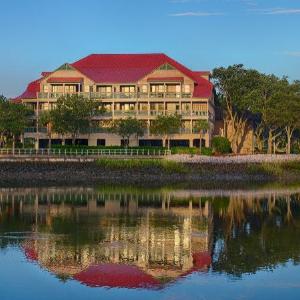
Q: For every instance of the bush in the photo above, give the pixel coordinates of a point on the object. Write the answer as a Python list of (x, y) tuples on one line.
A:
[(191, 151), (221, 145), (296, 148)]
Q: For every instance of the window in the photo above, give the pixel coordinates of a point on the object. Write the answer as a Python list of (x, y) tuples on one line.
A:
[(46, 88), (57, 88), (128, 89), (70, 88), (107, 89), (166, 67), (144, 88), (187, 88)]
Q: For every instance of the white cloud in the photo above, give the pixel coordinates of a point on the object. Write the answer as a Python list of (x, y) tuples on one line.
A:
[(278, 11), (292, 53), (196, 14)]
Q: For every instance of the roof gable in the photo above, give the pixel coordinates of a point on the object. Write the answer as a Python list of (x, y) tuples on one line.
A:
[(65, 67), (125, 68)]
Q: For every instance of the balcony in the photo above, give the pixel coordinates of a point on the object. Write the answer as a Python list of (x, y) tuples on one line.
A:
[(125, 113), (99, 96), (145, 114), (35, 130)]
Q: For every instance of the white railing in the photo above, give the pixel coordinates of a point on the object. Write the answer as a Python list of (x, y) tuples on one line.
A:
[(83, 152), (120, 95)]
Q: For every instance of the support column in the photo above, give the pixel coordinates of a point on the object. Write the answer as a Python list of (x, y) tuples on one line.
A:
[(37, 125)]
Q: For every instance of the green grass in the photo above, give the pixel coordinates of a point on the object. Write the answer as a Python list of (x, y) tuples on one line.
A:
[(274, 169), (142, 165)]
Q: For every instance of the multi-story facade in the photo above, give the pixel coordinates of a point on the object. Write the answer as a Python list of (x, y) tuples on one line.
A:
[(142, 86)]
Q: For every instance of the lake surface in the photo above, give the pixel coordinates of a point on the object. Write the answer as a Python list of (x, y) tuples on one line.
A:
[(139, 243)]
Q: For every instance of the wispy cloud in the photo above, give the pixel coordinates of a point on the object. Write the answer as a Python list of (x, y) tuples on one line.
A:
[(179, 1), (197, 14), (278, 11), (292, 53)]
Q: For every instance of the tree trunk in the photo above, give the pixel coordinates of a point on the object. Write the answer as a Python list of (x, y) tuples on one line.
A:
[(200, 144), (50, 141), (289, 134), (13, 144), (73, 140), (270, 142)]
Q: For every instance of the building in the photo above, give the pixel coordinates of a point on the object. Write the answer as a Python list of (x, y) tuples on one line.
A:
[(126, 85)]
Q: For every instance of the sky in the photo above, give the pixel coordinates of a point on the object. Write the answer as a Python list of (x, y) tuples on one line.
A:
[(41, 35)]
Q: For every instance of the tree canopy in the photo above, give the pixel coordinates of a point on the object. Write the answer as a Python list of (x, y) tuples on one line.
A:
[(166, 126), (72, 115), (13, 120), (126, 128)]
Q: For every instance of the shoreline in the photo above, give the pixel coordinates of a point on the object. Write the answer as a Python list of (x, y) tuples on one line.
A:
[(178, 173)]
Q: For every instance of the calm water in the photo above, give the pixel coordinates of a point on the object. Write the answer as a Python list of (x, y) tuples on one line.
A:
[(130, 243)]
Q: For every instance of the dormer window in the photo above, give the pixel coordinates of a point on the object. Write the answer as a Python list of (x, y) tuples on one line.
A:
[(166, 67)]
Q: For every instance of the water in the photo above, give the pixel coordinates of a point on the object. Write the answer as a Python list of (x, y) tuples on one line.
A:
[(133, 243)]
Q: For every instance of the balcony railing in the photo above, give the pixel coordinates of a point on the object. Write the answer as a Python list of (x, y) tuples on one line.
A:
[(90, 153), (98, 95), (35, 130)]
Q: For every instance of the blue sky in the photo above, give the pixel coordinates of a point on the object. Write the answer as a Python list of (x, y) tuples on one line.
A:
[(40, 35)]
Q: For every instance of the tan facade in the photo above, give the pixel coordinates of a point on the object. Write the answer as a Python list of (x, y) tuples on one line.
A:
[(161, 92)]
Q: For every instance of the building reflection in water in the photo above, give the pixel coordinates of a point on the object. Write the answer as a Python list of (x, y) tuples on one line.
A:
[(138, 238), (84, 235)]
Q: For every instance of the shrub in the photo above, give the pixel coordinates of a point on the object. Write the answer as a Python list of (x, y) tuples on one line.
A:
[(221, 145), (192, 151), (296, 148)]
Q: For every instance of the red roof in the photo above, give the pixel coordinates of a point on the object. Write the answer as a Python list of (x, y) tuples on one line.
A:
[(44, 74), (165, 79), (203, 88), (116, 275), (126, 68), (203, 73), (31, 92), (65, 79)]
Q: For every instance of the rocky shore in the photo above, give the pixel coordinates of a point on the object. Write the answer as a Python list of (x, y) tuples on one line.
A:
[(236, 159), (211, 171)]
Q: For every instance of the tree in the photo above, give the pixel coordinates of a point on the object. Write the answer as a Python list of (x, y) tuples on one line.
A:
[(13, 120), (45, 119), (234, 86), (261, 102), (166, 126), (72, 115), (285, 112), (127, 128), (201, 126), (3, 109)]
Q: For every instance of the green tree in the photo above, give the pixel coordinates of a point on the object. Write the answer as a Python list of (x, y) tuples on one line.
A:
[(262, 101), (3, 111), (45, 119), (72, 115), (201, 126), (126, 128), (13, 120), (234, 87), (285, 113), (166, 126)]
